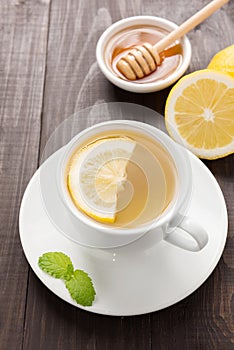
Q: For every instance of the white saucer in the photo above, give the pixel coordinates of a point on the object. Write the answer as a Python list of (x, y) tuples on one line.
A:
[(141, 277)]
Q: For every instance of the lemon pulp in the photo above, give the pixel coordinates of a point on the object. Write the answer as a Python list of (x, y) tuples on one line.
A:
[(199, 113), (97, 174)]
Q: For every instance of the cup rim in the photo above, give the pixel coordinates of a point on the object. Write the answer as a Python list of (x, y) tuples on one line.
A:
[(162, 219), (144, 87)]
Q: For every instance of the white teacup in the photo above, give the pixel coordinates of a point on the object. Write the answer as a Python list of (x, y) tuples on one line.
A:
[(95, 234)]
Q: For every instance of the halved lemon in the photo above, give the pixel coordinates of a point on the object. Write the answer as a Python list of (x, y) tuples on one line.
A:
[(223, 61), (97, 173), (200, 113)]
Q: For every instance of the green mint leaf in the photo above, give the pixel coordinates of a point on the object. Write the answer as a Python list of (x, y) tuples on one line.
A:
[(81, 288), (57, 265), (78, 282)]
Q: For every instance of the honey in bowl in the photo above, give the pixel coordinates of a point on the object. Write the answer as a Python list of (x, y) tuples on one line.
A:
[(124, 41)]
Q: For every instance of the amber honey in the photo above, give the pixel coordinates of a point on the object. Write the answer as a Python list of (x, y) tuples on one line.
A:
[(124, 41)]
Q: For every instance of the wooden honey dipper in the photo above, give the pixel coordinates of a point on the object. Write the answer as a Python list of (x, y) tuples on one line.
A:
[(144, 59)]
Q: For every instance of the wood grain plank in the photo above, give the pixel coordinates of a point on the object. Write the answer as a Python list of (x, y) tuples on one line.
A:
[(105, 332), (73, 81), (72, 73), (50, 323), (23, 31), (205, 319)]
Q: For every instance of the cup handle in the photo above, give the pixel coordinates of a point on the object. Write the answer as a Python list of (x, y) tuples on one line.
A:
[(187, 227)]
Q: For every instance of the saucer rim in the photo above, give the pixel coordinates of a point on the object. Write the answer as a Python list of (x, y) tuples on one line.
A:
[(107, 311)]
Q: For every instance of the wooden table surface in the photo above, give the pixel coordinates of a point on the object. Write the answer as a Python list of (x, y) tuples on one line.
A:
[(47, 72)]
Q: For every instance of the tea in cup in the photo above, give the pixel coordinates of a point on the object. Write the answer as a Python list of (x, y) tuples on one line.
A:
[(121, 179)]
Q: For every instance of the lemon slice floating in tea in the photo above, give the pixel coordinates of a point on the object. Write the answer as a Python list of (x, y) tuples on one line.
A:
[(97, 173), (200, 113)]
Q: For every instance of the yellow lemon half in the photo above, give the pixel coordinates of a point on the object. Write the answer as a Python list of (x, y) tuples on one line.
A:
[(96, 175), (223, 61), (200, 113)]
